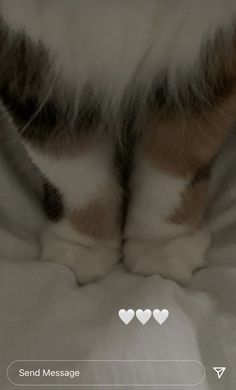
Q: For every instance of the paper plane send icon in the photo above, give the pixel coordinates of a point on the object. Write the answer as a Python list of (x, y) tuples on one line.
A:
[(219, 371)]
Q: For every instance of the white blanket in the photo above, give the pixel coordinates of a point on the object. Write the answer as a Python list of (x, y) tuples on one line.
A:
[(46, 315)]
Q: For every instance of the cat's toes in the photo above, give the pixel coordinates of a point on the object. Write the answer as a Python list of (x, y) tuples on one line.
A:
[(175, 259), (89, 261)]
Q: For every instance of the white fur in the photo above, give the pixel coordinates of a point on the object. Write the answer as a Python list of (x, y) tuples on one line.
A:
[(112, 43), (154, 244), (80, 178), (89, 259), (174, 259), (155, 196)]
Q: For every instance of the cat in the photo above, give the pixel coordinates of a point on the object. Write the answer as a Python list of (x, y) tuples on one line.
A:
[(123, 105)]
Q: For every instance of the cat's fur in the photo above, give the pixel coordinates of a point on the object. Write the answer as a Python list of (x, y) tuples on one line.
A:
[(117, 97)]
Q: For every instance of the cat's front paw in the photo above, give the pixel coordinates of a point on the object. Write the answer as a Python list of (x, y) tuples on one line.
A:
[(87, 259), (175, 259)]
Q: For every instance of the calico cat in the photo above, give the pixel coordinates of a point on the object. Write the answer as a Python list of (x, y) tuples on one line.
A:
[(123, 105)]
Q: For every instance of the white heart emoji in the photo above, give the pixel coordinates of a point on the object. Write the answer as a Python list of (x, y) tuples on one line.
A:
[(126, 315), (160, 315), (143, 315)]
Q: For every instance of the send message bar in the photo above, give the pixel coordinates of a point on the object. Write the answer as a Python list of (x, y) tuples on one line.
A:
[(110, 373)]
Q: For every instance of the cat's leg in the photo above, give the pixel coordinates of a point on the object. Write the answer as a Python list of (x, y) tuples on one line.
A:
[(164, 232), (64, 133), (84, 198)]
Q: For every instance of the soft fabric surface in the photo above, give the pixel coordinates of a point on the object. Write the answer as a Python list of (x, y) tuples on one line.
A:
[(46, 315)]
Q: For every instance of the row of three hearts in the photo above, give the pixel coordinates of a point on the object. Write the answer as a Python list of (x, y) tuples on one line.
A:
[(143, 315)]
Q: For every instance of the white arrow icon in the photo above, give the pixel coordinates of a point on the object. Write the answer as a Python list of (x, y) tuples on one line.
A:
[(219, 371)]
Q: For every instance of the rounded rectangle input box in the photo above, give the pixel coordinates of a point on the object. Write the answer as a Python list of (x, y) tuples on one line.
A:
[(112, 373)]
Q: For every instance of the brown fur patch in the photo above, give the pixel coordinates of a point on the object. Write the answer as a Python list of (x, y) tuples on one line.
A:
[(184, 145), (100, 219), (192, 209)]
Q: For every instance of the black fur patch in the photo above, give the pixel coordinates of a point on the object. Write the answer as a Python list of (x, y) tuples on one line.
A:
[(202, 88), (53, 202), (26, 76), (203, 174), (24, 79)]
